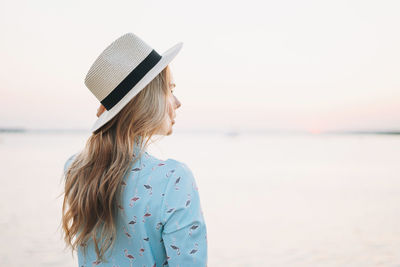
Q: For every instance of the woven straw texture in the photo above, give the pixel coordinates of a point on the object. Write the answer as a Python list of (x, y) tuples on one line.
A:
[(115, 63)]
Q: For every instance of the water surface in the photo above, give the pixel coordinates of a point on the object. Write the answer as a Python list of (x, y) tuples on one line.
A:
[(268, 200)]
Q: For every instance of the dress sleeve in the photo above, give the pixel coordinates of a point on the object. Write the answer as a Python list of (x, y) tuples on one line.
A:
[(184, 229)]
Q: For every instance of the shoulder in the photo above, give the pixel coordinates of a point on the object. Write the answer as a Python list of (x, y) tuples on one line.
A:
[(181, 169), (177, 164), (171, 165), (177, 168), (172, 171), (181, 178)]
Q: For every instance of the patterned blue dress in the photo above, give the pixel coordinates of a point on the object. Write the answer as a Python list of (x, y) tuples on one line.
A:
[(160, 220)]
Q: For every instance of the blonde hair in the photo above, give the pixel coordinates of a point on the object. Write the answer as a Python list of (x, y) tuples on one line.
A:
[(93, 180)]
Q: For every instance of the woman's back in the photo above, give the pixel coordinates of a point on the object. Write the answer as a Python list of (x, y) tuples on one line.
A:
[(159, 222), (150, 212)]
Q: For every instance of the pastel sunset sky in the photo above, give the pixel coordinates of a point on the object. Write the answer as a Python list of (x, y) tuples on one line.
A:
[(301, 65)]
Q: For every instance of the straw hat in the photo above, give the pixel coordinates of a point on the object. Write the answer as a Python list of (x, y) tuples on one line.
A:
[(122, 70)]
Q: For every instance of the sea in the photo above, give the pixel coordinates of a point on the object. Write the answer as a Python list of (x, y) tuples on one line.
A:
[(269, 199)]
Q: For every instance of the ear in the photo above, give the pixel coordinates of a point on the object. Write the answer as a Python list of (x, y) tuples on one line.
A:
[(100, 110)]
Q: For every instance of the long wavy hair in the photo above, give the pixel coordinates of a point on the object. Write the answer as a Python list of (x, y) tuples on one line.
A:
[(93, 180)]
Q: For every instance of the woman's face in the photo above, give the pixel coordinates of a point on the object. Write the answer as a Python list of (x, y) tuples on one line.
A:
[(173, 103)]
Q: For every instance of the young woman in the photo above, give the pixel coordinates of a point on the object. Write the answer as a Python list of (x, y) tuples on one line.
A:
[(123, 206)]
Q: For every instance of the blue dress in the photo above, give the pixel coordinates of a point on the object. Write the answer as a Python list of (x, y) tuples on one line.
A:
[(160, 220)]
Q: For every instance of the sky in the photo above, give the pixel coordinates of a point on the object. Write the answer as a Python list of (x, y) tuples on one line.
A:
[(258, 65)]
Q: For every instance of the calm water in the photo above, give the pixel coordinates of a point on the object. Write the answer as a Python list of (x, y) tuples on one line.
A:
[(268, 200)]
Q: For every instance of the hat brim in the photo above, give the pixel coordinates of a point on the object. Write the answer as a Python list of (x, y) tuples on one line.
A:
[(166, 58)]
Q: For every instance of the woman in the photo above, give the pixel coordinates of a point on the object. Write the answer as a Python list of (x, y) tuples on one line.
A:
[(123, 206)]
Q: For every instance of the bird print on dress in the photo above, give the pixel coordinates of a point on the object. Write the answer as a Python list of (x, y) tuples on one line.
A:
[(133, 222), (136, 169), (154, 184), (196, 248), (188, 200), (192, 228), (149, 188), (175, 247), (194, 251), (147, 214), (169, 210), (134, 199), (176, 183), (129, 256), (127, 234), (141, 250), (158, 165)]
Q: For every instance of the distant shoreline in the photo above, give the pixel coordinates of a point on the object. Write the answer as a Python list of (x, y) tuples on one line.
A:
[(212, 131), (366, 132)]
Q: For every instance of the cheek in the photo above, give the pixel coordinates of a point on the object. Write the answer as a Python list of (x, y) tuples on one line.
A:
[(170, 107)]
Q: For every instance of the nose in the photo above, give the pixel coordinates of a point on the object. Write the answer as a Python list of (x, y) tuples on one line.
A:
[(177, 103)]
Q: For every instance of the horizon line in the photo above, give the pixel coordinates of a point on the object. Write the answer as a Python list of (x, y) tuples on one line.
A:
[(228, 131)]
